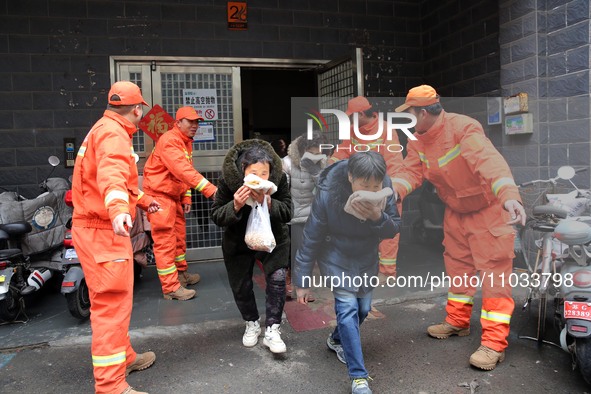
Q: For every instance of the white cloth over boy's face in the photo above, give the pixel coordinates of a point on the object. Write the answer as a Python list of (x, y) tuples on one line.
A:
[(255, 182), (376, 198)]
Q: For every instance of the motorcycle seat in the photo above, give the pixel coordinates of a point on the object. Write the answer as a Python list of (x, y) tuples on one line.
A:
[(16, 229), (543, 210), (573, 232), (9, 253)]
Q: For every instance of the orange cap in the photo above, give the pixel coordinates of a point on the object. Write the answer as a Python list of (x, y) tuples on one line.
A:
[(125, 93), (420, 96), (187, 113), (357, 104)]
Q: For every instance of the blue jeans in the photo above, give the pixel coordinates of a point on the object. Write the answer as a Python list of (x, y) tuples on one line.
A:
[(351, 311)]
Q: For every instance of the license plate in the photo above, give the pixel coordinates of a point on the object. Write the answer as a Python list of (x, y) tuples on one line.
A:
[(2, 278), (577, 310), (71, 254)]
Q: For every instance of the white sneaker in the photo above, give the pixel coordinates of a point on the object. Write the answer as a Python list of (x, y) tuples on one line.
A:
[(273, 339), (251, 334)]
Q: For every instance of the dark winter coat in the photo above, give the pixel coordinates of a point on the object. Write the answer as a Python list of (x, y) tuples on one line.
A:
[(341, 244), (234, 223)]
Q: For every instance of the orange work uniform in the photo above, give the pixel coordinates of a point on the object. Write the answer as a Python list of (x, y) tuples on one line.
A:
[(105, 184), (388, 247), (474, 181), (170, 175)]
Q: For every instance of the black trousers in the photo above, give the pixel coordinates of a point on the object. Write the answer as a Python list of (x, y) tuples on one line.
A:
[(240, 270)]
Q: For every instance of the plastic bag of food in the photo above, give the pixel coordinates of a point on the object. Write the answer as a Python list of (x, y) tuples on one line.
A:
[(259, 235)]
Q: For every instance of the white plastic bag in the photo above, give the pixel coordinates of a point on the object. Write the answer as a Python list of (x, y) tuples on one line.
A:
[(575, 206), (259, 235)]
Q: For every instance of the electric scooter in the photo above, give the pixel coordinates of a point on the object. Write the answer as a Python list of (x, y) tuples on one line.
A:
[(32, 242)]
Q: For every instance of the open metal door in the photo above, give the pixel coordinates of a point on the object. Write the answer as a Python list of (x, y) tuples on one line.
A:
[(165, 85)]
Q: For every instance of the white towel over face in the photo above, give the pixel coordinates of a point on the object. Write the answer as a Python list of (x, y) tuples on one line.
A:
[(376, 198), (257, 183)]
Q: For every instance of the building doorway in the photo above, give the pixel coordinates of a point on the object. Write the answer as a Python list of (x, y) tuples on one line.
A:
[(253, 100)]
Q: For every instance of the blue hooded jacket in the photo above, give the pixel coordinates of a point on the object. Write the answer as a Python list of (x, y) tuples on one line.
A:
[(341, 244)]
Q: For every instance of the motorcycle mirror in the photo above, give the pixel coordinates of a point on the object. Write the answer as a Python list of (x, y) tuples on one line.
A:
[(54, 161), (566, 172)]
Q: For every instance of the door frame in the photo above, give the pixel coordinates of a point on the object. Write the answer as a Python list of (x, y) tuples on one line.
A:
[(150, 64)]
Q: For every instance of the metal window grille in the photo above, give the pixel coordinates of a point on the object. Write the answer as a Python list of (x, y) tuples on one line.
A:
[(139, 139), (172, 99), (336, 87), (201, 231)]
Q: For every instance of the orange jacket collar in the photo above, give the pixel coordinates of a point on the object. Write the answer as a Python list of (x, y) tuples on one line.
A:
[(369, 128), (434, 132), (124, 122), (180, 133)]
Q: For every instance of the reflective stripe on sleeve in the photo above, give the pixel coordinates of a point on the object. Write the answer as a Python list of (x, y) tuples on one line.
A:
[(82, 151), (499, 183), (201, 185), (404, 183), (116, 195)]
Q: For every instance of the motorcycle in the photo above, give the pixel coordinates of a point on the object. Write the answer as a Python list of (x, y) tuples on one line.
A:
[(562, 269), (32, 238), (428, 228), (74, 286)]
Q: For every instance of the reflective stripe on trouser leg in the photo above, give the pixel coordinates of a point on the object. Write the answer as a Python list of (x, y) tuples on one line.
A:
[(492, 248), (180, 230), (496, 324), (459, 268), (165, 241), (111, 301), (388, 252), (459, 309)]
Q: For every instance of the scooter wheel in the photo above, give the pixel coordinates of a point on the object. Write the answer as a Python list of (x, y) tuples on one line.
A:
[(583, 355), (10, 306), (79, 302)]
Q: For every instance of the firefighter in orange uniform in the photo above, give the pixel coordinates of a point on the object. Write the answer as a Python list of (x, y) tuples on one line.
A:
[(169, 174), (482, 202), (389, 149), (105, 193)]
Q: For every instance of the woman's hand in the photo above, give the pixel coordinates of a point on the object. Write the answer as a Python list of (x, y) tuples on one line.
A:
[(303, 295), (367, 210), (240, 197), (257, 195)]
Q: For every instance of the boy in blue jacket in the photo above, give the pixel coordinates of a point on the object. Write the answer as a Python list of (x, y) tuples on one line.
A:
[(345, 246)]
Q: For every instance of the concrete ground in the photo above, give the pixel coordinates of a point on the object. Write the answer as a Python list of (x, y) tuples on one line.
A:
[(199, 349)]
